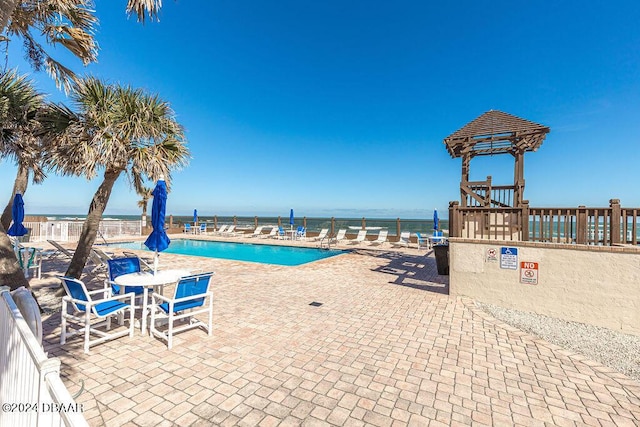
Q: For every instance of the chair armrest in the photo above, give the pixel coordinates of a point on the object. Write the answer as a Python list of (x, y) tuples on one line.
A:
[(161, 297)]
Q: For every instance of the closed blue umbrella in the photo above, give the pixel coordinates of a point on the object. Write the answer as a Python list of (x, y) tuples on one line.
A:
[(291, 219), (158, 240), (17, 213), (435, 220), (195, 216)]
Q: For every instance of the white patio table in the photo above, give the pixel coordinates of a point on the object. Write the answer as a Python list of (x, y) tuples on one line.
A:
[(149, 280)]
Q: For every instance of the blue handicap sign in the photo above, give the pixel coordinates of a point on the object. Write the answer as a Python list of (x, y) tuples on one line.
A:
[(509, 251), (509, 258)]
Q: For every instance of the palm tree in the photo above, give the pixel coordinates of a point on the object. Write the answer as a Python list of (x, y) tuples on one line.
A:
[(145, 195), (140, 8), (68, 23), (116, 130), (19, 105)]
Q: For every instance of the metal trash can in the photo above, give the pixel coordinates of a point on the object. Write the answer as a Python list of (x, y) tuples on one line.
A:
[(442, 259)]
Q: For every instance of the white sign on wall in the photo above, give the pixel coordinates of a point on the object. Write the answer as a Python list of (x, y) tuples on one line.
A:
[(492, 255), (509, 258), (529, 272)]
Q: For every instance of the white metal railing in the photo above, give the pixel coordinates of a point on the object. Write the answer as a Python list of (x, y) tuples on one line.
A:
[(69, 231), (31, 391)]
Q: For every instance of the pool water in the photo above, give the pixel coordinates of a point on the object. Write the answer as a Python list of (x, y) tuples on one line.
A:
[(265, 254)]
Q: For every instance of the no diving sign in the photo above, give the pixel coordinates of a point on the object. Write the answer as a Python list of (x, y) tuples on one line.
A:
[(529, 272)]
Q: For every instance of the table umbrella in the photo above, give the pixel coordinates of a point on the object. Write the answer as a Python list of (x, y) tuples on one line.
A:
[(435, 219), (195, 217), (158, 240), (291, 219), (17, 213)]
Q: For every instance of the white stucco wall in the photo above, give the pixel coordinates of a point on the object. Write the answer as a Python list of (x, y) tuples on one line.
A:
[(599, 286)]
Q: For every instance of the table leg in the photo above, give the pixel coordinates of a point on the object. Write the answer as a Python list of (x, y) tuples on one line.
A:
[(143, 321)]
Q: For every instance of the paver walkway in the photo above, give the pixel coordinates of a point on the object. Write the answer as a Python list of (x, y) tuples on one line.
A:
[(387, 347)]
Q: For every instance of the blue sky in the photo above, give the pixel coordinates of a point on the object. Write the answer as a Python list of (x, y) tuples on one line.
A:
[(340, 108)]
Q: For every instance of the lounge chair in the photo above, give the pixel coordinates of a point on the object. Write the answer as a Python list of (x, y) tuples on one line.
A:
[(230, 231), (60, 250), (257, 232), (403, 241), (85, 307), (189, 299), (221, 230), (382, 238), (361, 237), (323, 233), (342, 234), (271, 234)]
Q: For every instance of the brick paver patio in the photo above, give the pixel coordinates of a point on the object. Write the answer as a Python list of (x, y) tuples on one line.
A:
[(387, 347)]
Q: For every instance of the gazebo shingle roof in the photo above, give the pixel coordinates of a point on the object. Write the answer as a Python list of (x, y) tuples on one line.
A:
[(496, 132)]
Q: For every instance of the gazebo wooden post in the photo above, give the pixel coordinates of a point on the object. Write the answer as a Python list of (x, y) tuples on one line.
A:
[(614, 204), (518, 179), (524, 220), (464, 182), (454, 231)]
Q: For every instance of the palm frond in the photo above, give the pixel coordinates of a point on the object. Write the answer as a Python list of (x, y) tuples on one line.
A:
[(144, 8)]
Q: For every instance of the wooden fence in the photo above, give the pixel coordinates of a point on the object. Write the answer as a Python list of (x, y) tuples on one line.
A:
[(582, 225)]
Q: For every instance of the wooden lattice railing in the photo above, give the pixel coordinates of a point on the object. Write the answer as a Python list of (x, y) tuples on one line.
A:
[(582, 225)]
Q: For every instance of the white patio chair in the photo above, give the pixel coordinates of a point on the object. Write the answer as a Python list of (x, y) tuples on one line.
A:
[(342, 234), (361, 237), (256, 233), (221, 230), (403, 241), (272, 234), (322, 234), (85, 308), (189, 299), (382, 238)]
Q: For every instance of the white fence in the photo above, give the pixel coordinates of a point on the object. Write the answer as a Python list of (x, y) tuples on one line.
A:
[(69, 231), (31, 391)]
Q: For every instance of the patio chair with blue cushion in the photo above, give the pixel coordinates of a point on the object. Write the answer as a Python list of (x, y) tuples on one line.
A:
[(187, 228), (280, 234), (85, 307), (203, 228), (423, 242), (301, 233), (117, 267), (190, 299)]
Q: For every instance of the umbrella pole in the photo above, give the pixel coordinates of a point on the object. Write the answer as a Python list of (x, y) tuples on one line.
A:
[(155, 263)]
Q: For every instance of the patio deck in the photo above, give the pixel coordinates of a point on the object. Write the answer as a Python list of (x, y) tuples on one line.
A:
[(387, 347)]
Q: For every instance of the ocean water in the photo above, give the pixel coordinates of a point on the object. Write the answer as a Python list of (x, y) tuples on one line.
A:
[(424, 226)]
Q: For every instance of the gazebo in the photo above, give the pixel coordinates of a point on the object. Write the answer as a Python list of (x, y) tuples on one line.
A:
[(494, 132)]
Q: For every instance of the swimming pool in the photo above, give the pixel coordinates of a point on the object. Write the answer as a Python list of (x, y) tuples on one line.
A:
[(265, 254)]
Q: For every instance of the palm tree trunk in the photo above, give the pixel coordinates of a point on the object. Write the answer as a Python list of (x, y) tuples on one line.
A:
[(6, 10), (19, 186), (10, 273), (90, 227)]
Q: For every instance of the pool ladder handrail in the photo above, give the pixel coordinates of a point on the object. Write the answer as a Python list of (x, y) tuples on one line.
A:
[(328, 237)]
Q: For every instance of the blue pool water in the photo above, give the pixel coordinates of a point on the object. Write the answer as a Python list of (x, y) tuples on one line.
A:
[(266, 254)]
